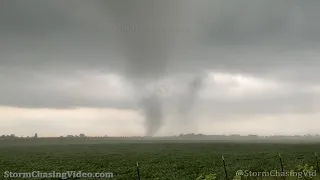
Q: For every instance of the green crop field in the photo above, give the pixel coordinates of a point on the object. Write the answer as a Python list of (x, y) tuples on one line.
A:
[(158, 160)]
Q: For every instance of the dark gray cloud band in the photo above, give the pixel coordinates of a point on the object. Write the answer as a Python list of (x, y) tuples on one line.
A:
[(145, 41)]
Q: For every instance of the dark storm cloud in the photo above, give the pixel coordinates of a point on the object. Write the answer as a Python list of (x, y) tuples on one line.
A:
[(32, 18), (40, 29), (272, 39), (38, 89)]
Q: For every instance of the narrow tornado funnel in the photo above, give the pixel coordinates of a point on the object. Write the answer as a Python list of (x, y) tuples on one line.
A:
[(150, 32)]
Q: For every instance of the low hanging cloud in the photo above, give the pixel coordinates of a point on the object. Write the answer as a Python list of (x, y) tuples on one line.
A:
[(258, 57)]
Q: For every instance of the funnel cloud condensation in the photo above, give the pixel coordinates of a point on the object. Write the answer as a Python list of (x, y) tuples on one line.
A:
[(153, 112), (149, 31), (187, 102)]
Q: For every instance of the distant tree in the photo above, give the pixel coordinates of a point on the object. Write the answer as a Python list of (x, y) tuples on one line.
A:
[(35, 135), (82, 135)]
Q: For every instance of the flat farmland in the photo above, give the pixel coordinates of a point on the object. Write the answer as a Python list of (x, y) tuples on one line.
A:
[(157, 160)]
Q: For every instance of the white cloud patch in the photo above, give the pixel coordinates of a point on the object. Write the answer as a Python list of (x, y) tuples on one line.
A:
[(56, 122), (225, 85)]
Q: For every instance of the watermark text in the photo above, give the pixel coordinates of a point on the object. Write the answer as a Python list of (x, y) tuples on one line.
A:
[(276, 173), (54, 174)]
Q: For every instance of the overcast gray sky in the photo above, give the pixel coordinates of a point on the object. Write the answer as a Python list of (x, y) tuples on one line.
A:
[(136, 67)]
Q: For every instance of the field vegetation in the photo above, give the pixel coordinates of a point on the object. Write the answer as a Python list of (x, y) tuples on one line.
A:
[(159, 160)]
